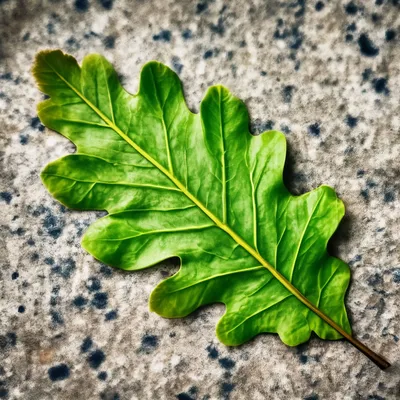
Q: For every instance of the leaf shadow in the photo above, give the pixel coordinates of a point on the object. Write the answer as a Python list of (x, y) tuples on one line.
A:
[(296, 183), (294, 180)]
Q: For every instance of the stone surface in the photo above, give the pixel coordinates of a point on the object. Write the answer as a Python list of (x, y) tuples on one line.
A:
[(327, 73)]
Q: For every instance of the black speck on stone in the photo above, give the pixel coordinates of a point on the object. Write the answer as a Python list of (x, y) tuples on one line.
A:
[(263, 73), (352, 27), (163, 36), (375, 397), (365, 194), (79, 301), (64, 268), (360, 173), (23, 139), (380, 85), (288, 93), (81, 5), (351, 8), (218, 27), (201, 7), (226, 363), (86, 345), (285, 129), (93, 284), (349, 37), (149, 342), (177, 65), (21, 309), (50, 28), (208, 54), (100, 300), (106, 395), (379, 2), (312, 397), (57, 318), (212, 352), (26, 36), (111, 315), (36, 124), (375, 280), (314, 129), (396, 275), (351, 121), (227, 388), (269, 125), (303, 359), (300, 12), (367, 47), (106, 271), (49, 260), (72, 42), (58, 372), (96, 358), (375, 17), (388, 197), (257, 126), (53, 301), (319, 6), (296, 39), (109, 42), (6, 196), (107, 4), (278, 34), (7, 76), (366, 74), (19, 232), (52, 225), (102, 375), (184, 396), (14, 276), (12, 338), (187, 34), (390, 34), (229, 55)]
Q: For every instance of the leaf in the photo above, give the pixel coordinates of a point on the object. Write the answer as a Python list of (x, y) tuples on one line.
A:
[(196, 186)]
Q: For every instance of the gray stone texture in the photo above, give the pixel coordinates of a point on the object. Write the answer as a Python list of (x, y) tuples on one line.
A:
[(326, 73)]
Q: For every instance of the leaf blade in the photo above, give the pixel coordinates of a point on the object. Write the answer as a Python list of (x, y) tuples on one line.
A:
[(159, 108)]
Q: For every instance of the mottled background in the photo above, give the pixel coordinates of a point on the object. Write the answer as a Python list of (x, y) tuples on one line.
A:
[(326, 73)]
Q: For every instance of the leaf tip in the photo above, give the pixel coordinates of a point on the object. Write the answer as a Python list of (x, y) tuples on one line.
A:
[(40, 62)]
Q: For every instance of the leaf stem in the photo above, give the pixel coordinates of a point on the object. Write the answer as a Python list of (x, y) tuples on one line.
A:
[(374, 357)]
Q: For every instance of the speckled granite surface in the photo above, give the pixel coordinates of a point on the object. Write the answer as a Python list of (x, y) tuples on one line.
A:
[(327, 74)]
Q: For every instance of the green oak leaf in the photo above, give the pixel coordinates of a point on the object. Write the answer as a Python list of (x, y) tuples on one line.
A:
[(196, 186)]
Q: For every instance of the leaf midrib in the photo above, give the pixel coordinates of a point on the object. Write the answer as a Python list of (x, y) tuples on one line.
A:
[(286, 283)]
